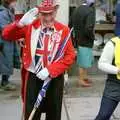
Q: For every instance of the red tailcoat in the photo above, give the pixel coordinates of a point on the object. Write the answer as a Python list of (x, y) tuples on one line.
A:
[(31, 34)]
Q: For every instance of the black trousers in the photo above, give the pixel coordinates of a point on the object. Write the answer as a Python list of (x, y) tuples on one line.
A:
[(107, 108), (51, 104)]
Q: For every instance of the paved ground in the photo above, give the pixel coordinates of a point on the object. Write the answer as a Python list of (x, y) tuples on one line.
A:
[(81, 103)]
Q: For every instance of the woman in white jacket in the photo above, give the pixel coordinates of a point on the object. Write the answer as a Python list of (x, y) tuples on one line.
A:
[(109, 62)]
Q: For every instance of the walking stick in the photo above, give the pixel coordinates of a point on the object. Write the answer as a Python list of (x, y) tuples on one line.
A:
[(45, 86), (66, 91), (40, 97), (66, 110), (32, 114), (22, 116)]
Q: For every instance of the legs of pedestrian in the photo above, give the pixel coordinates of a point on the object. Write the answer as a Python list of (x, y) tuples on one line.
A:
[(5, 84), (84, 61), (83, 79), (107, 108), (51, 104), (32, 89), (4, 80)]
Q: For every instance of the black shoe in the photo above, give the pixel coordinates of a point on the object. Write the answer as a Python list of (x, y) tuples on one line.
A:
[(9, 87)]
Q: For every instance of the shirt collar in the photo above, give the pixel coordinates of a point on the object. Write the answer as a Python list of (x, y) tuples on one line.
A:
[(45, 29)]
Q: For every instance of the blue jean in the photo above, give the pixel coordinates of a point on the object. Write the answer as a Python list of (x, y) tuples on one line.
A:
[(107, 108)]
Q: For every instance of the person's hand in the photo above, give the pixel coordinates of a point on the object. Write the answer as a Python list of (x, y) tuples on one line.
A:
[(119, 71), (29, 17), (43, 74)]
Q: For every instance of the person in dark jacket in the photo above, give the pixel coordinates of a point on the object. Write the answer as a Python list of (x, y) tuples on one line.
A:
[(6, 48), (83, 21)]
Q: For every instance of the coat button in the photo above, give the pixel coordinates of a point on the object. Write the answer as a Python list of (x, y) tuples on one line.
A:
[(24, 54)]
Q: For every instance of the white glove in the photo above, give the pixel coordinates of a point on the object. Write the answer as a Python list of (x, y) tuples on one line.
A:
[(29, 17), (43, 74)]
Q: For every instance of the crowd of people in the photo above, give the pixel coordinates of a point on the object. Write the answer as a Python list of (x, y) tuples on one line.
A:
[(47, 52)]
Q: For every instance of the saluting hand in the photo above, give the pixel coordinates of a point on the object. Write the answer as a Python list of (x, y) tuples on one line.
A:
[(29, 17)]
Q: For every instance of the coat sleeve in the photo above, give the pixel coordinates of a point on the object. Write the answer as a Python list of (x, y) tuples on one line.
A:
[(4, 20), (13, 32), (57, 68), (105, 61)]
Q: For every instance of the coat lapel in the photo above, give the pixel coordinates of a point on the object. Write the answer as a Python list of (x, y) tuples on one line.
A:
[(56, 38), (34, 40)]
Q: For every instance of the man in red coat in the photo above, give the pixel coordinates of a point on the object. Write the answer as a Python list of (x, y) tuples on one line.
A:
[(43, 36)]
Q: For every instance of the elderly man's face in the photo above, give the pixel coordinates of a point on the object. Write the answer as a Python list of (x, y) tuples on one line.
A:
[(48, 18)]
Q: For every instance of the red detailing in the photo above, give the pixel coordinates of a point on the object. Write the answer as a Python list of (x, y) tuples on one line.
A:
[(18, 16), (46, 9), (47, 6), (25, 76), (57, 68), (47, 3), (45, 51), (41, 52), (13, 32), (45, 57)]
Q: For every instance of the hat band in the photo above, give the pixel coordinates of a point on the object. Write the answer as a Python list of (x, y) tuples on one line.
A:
[(47, 9)]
